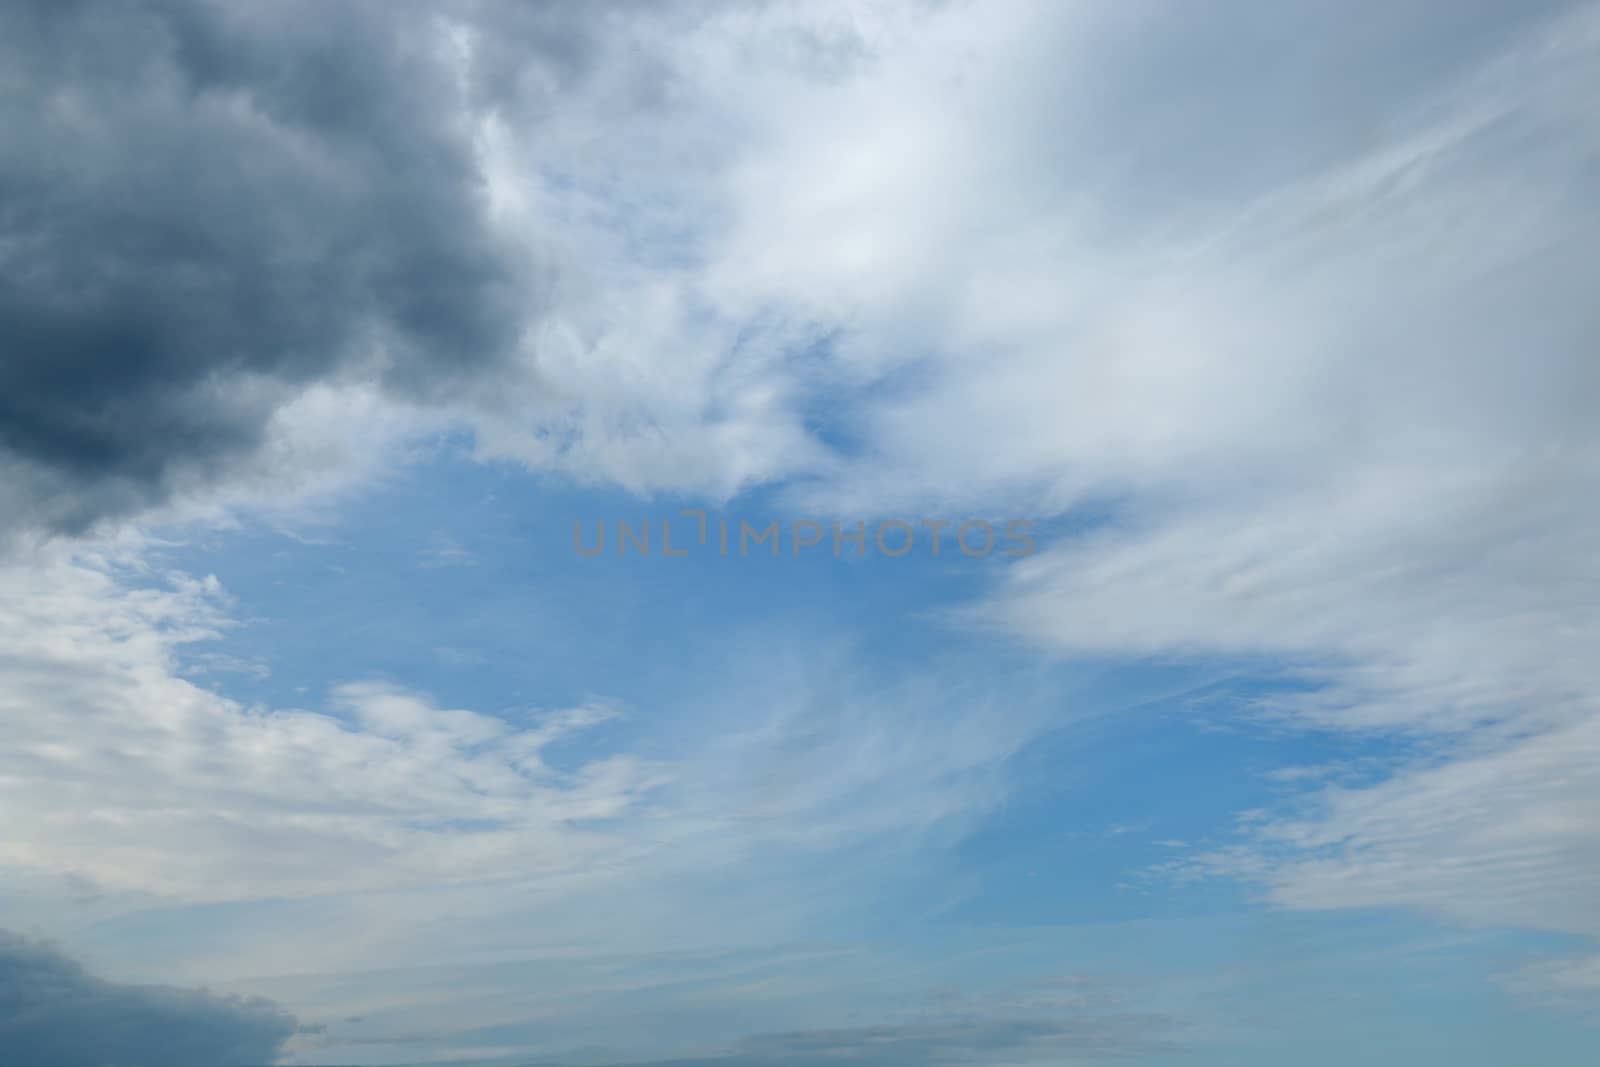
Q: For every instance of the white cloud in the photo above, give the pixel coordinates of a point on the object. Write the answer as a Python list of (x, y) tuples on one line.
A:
[(1499, 837), (297, 852), (1486, 833), (120, 771), (1076, 332), (1321, 351)]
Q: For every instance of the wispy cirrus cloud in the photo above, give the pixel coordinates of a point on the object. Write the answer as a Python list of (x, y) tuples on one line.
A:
[(1314, 374), (125, 772), (297, 851)]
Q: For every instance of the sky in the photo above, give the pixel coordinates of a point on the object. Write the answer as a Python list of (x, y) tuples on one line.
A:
[(1176, 644)]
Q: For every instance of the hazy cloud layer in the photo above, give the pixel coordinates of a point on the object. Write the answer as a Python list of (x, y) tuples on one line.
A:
[(1011, 1041), (53, 1013), (1048, 1020)]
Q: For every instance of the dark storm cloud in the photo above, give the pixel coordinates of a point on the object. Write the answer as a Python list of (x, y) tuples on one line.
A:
[(204, 207), (54, 1014)]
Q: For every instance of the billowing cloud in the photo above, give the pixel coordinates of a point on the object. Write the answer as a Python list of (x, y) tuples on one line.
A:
[(214, 208), (209, 207), (53, 1013)]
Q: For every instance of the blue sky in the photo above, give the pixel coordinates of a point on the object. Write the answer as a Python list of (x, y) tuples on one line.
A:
[(321, 741), (460, 581)]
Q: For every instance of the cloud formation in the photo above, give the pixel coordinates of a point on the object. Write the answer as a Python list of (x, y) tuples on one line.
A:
[(798, 782), (214, 210), (1309, 356), (53, 1013), (217, 801), (1307, 369), (1011, 1041), (211, 206)]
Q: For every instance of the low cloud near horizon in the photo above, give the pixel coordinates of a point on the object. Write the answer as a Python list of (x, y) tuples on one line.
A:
[(54, 1012)]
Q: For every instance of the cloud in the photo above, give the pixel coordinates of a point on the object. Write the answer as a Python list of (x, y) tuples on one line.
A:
[(1491, 832), (388, 828), (211, 207), (1387, 505), (1307, 355), (55, 1014), (1064, 1019), (1012, 1041), (1497, 837), (120, 770), (1304, 366), (455, 877), (216, 211), (756, 253), (1430, 597), (1077, 1019), (1051, 314)]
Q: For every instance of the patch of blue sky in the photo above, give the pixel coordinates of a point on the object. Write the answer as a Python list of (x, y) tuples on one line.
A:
[(461, 581)]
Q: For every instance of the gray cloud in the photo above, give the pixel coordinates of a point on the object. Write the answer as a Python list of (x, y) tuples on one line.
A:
[(210, 206), (1070, 1040), (55, 1014)]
